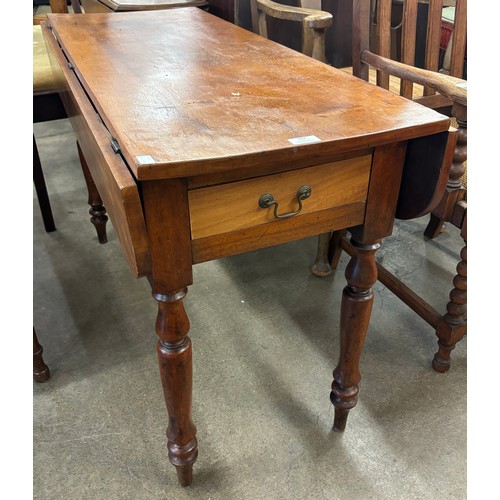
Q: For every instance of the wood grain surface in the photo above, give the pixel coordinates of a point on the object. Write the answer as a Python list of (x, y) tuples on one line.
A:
[(230, 207), (199, 95)]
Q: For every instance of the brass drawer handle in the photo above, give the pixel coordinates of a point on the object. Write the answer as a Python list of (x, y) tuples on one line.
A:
[(267, 199)]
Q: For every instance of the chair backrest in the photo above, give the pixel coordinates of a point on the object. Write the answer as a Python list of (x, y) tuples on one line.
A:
[(399, 29), (445, 91), (313, 23), (43, 79)]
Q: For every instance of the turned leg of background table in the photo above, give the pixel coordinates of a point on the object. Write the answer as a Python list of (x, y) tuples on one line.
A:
[(357, 300), (175, 360), (97, 210)]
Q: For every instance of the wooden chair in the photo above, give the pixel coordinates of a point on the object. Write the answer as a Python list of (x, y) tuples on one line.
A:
[(444, 91), (313, 23), (47, 106)]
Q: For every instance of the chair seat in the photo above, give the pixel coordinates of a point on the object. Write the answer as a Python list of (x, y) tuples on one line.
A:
[(43, 79)]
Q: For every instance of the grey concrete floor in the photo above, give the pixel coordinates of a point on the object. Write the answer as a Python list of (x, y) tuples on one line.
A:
[(265, 338)]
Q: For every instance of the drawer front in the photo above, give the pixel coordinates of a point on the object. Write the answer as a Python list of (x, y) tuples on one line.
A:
[(235, 206)]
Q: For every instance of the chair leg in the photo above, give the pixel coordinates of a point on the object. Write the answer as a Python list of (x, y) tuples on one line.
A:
[(321, 266), (97, 209), (453, 326), (41, 191), (328, 252), (434, 227), (335, 248), (41, 372)]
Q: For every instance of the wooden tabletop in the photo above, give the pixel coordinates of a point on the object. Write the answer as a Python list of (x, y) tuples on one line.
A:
[(186, 93)]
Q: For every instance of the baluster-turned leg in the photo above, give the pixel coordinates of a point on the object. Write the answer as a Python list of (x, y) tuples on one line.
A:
[(167, 217), (97, 210), (41, 372), (453, 326), (357, 300), (454, 189), (175, 359)]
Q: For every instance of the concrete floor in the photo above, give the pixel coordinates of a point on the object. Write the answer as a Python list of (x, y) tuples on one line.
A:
[(265, 337)]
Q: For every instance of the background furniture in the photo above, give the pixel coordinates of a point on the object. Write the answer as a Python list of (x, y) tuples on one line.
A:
[(43, 7), (92, 6), (313, 24), (338, 39), (447, 29), (432, 89), (41, 372), (279, 27), (446, 32), (47, 106)]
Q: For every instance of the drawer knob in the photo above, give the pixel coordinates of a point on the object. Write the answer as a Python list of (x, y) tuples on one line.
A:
[(267, 199)]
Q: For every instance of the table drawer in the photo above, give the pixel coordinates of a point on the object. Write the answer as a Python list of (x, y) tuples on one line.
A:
[(235, 206)]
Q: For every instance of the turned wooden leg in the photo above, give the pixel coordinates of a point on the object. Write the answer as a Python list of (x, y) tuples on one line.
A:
[(452, 328), (175, 360), (321, 266), (97, 210), (167, 217), (41, 372), (357, 301), (41, 191)]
